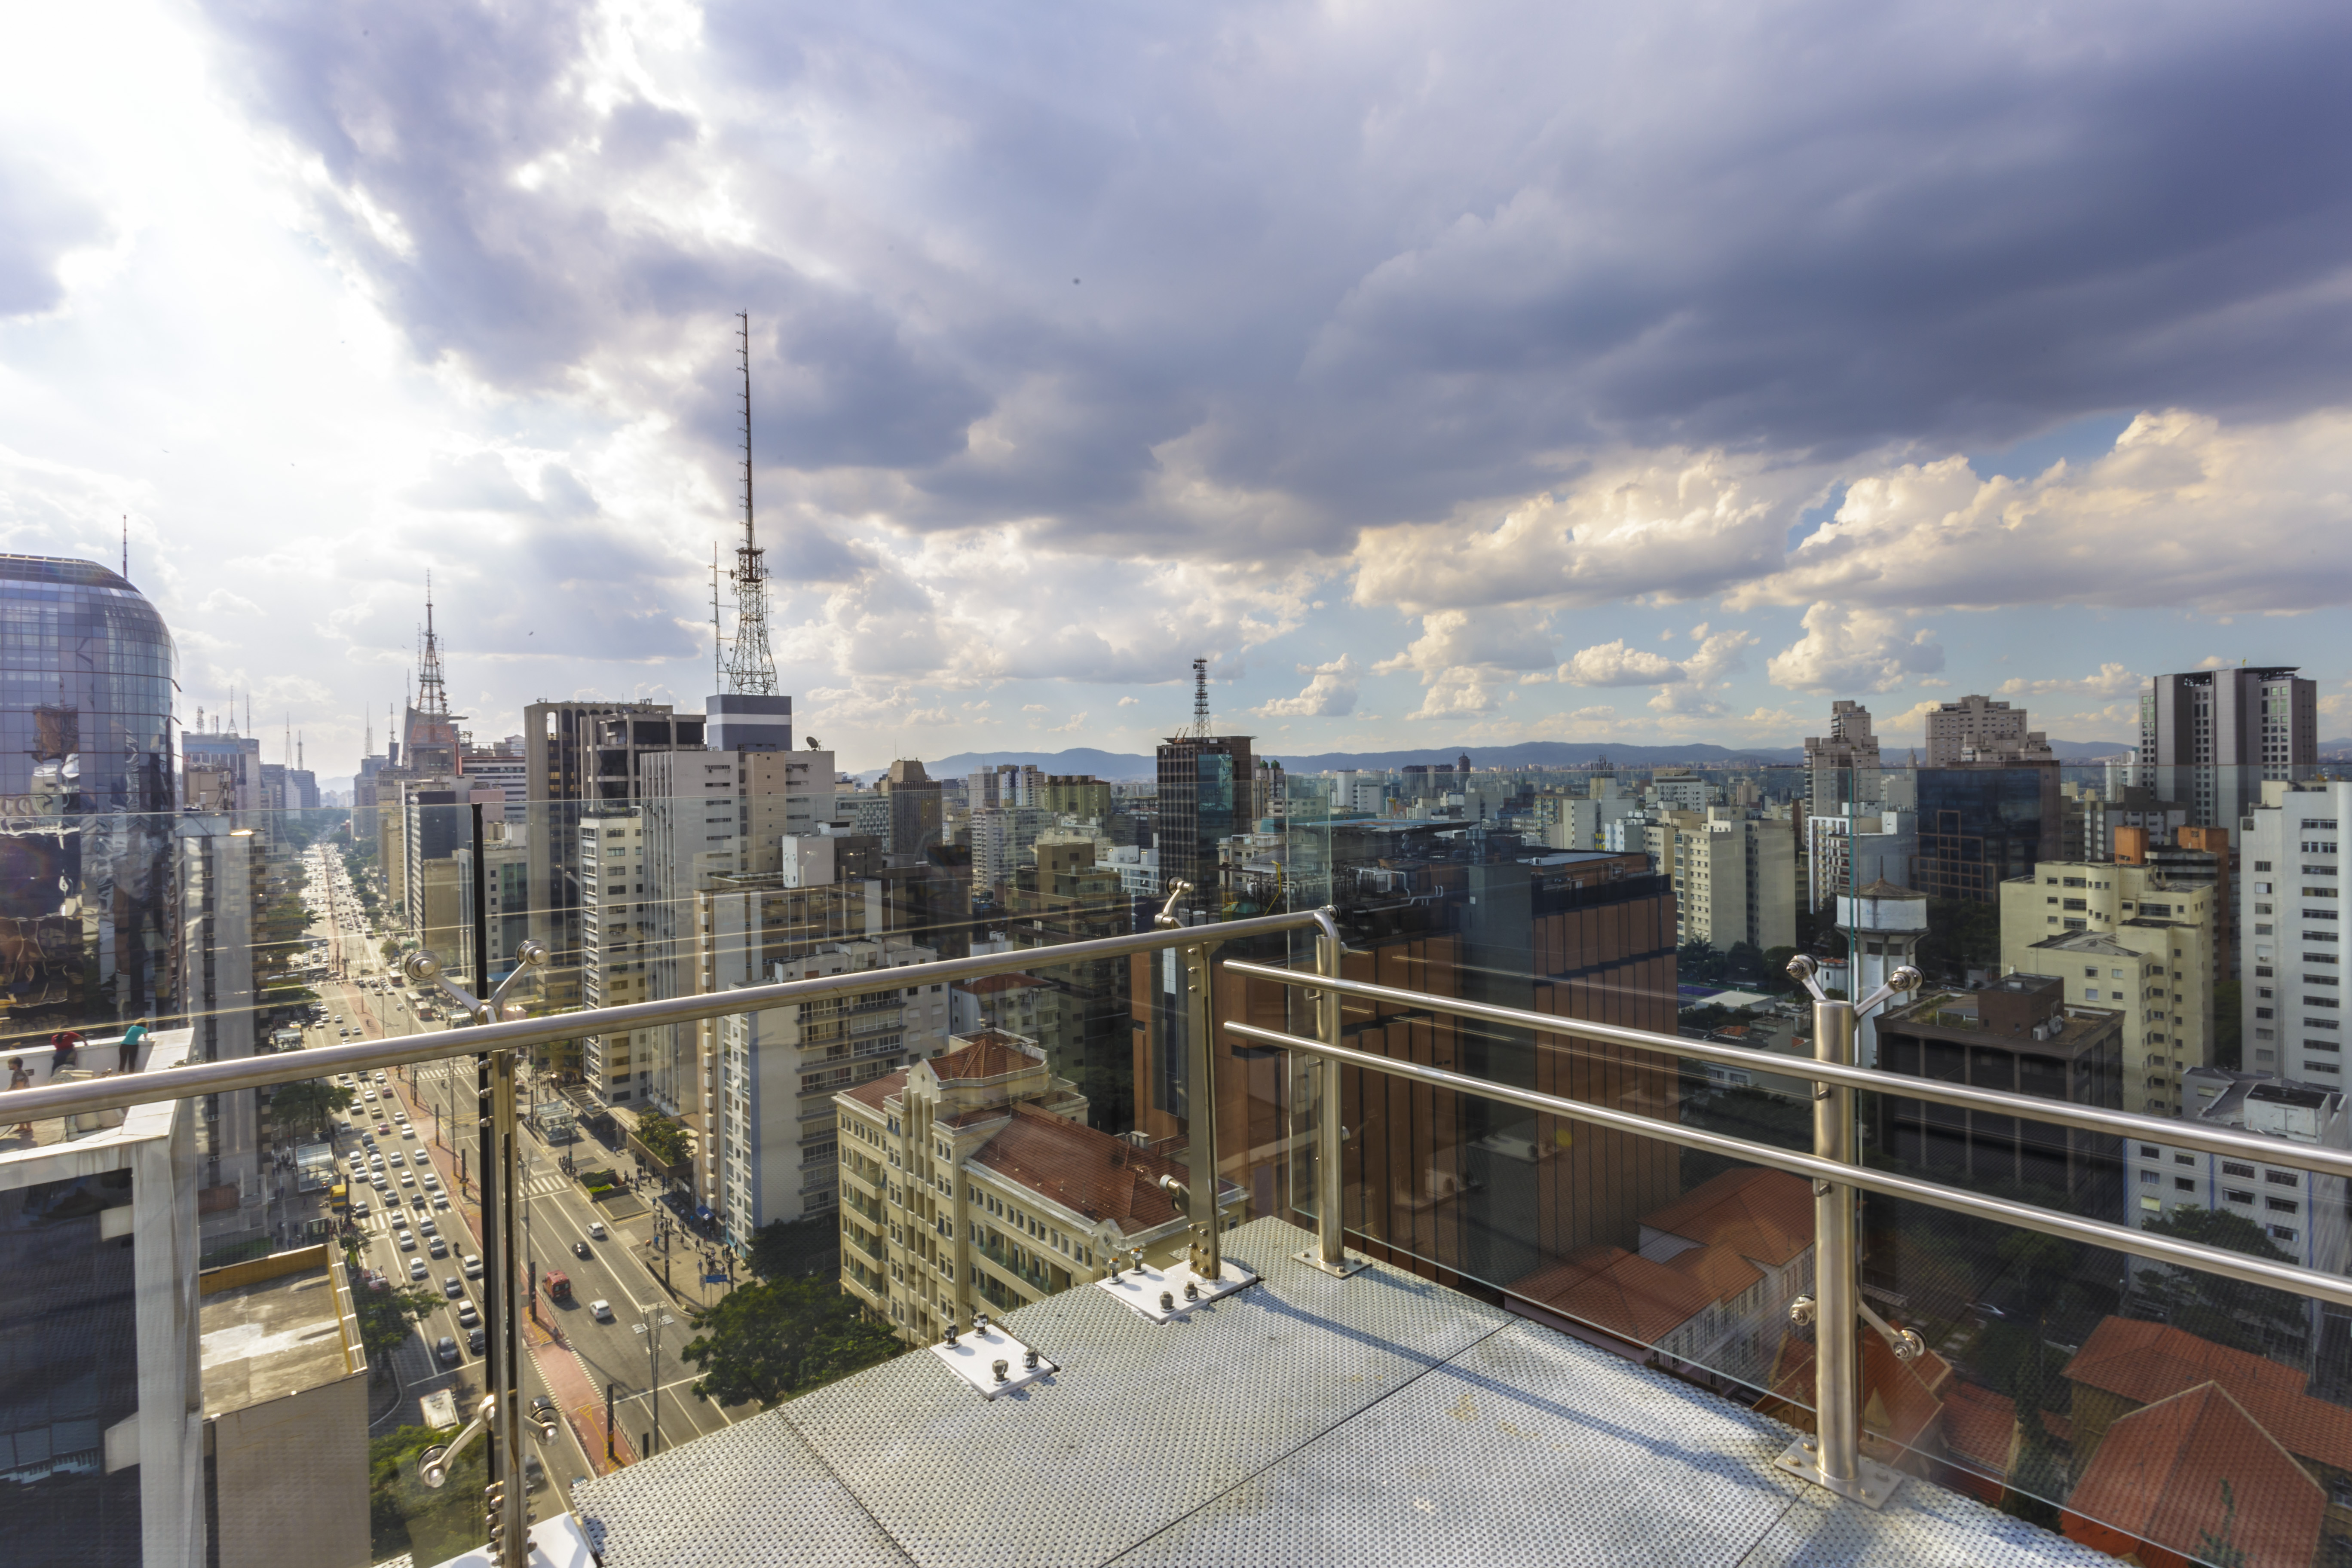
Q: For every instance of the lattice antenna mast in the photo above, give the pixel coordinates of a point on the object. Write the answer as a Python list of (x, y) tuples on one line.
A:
[(750, 669), (432, 690), (1201, 722)]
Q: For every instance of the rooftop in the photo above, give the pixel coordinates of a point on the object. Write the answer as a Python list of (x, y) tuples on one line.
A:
[(164, 1048), (1308, 1420), (273, 1327)]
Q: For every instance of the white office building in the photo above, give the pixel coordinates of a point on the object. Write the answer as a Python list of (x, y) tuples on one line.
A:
[(2293, 947)]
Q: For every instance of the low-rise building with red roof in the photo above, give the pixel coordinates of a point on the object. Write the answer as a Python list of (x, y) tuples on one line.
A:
[(2195, 1478), (970, 1182)]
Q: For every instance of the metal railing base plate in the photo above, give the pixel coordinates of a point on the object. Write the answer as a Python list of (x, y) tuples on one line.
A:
[(1142, 1287), (1872, 1483), (975, 1352), (1313, 1259)]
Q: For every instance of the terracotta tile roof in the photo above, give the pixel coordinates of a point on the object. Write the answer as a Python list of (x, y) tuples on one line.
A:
[(2145, 1363), (1721, 1271), (1623, 1292), (1980, 1426), (990, 984), (992, 1053), (1900, 1404), (1089, 1172), (1764, 1215), (2157, 1476), (872, 1095)]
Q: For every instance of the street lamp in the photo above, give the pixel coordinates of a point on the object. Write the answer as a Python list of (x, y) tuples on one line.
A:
[(655, 1320)]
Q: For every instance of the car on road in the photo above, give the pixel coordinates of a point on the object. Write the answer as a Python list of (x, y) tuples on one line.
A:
[(374, 1157), (596, 1228), (397, 1158), (440, 1202), (446, 1350), (452, 1287), (438, 1248), (473, 1266), (534, 1474), (407, 1178), (479, 1338), (580, 1249), (600, 1310), (416, 1270), (408, 1239), (360, 1209), (426, 1227), (380, 1079), (370, 1093), (377, 1180), (467, 1317), (430, 1178)]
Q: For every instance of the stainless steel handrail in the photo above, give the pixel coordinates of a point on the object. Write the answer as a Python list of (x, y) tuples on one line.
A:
[(2051, 1222), (2090, 1119), (53, 1100)]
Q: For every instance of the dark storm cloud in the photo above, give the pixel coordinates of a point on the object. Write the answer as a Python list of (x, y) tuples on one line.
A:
[(1376, 265)]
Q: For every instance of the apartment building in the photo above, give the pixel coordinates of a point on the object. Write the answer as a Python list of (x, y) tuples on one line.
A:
[(2294, 951), (773, 1141), (2127, 938), (970, 1182), (1842, 765), (2213, 738), (1735, 878), (709, 815), (615, 956), (1976, 729)]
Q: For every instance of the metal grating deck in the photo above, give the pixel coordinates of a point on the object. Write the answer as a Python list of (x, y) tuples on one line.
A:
[(1380, 1419)]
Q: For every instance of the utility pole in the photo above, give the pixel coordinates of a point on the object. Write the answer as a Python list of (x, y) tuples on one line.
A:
[(655, 1318)]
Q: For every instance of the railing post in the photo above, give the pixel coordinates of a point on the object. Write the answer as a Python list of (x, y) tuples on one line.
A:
[(1208, 1252), (1832, 1457), (1329, 1252), (511, 1538), (1837, 1401)]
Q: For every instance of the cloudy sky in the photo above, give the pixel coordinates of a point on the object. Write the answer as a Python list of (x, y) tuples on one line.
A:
[(1452, 375)]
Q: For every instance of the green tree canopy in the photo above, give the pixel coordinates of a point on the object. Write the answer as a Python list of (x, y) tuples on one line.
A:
[(387, 1316), (310, 1102), (663, 1138), (780, 1337), (2253, 1317), (792, 1249)]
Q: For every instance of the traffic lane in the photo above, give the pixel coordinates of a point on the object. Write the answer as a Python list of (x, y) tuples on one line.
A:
[(615, 1351)]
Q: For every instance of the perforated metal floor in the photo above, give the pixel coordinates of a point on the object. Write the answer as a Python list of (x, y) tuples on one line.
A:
[(1310, 1420)]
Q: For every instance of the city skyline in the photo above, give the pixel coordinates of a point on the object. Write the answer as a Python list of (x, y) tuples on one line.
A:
[(1015, 477)]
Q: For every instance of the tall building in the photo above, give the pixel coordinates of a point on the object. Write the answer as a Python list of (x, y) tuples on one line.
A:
[(1982, 823), (85, 772), (773, 1137), (2211, 737), (576, 753), (220, 880), (1844, 853), (105, 1456), (616, 956), (707, 814), (1734, 880), (1204, 787), (1842, 767), (917, 811), (2290, 928), (1978, 730), (1068, 895)]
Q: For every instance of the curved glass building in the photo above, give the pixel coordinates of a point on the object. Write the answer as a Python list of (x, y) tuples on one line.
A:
[(86, 796)]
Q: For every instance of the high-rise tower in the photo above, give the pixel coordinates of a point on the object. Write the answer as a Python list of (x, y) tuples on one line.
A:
[(747, 712)]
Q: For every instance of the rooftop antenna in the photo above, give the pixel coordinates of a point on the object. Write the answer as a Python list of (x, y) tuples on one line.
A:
[(432, 693), (718, 631), (750, 670), (126, 547), (1200, 725)]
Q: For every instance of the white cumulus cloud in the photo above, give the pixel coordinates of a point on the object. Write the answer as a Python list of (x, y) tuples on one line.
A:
[(1855, 650)]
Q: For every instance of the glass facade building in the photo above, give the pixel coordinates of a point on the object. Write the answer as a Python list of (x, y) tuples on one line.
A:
[(86, 794)]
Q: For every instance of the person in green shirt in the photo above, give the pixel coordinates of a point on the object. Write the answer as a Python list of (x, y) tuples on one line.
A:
[(127, 1058)]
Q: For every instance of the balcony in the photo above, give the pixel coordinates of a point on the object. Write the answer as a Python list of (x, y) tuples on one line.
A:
[(1307, 1420)]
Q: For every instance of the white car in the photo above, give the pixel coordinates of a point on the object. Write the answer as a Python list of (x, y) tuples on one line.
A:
[(473, 1268), (416, 1270), (596, 1228), (431, 1178), (398, 1157), (407, 1240), (375, 1157), (408, 1179), (600, 1310)]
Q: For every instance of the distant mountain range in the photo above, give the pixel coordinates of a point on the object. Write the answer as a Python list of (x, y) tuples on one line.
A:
[(1527, 754)]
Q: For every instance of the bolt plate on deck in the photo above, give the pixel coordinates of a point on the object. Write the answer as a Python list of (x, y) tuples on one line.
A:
[(1140, 1289), (974, 1355), (1872, 1483), (1313, 1259)]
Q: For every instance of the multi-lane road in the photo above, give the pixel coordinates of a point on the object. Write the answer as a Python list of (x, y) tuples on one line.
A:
[(576, 1358)]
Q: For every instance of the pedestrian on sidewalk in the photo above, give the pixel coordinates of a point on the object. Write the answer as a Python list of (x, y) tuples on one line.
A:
[(127, 1053), (20, 1078)]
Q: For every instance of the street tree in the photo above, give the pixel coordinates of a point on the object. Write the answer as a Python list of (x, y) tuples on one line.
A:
[(780, 1337), (2254, 1317), (309, 1104)]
